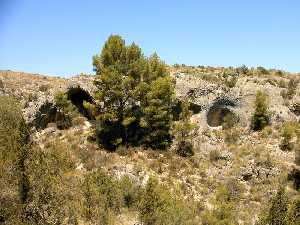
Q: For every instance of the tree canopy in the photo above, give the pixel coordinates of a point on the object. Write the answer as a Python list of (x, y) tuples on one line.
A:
[(134, 97)]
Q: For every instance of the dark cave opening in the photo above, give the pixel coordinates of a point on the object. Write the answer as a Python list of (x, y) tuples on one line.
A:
[(77, 96), (216, 115)]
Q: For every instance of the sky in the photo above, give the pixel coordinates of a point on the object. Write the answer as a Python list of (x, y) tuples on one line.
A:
[(60, 37)]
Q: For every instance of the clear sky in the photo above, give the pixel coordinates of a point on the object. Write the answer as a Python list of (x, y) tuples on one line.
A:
[(59, 37)]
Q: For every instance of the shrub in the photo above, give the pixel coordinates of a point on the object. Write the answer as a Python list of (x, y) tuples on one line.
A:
[(102, 197), (281, 210), (287, 134), (292, 87), (261, 116), (183, 132), (1, 84), (230, 120), (158, 206), (14, 153), (231, 80), (223, 211), (44, 87), (66, 111)]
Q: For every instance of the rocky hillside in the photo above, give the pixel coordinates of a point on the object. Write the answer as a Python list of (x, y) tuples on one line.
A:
[(251, 165)]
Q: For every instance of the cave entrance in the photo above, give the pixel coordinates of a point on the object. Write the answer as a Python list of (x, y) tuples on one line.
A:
[(77, 96), (216, 115)]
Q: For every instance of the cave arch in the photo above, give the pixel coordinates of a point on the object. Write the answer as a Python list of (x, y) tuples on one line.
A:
[(217, 113), (48, 113), (77, 96)]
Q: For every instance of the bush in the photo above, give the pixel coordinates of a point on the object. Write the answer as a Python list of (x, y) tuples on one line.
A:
[(44, 87), (183, 131), (223, 211), (231, 80), (282, 210), (158, 206), (261, 116), (287, 134), (14, 153), (102, 197), (66, 111)]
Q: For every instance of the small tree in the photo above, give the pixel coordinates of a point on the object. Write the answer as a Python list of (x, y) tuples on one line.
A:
[(292, 87), (261, 116), (297, 148), (277, 213), (182, 131), (287, 134)]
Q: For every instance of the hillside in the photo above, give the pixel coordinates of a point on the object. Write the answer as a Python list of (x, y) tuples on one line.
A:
[(250, 165)]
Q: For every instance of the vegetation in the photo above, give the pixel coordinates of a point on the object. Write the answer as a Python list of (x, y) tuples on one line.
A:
[(291, 89), (137, 96), (287, 134), (224, 208), (261, 116), (183, 132), (282, 211), (158, 206), (14, 151)]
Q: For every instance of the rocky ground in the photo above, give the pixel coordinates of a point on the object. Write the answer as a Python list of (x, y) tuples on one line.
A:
[(251, 164)]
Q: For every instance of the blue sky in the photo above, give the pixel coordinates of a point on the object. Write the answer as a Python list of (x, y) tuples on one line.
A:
[(59, 37)]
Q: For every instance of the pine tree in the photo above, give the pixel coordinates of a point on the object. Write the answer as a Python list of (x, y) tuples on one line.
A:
[(157, 113), (278, 209), (261, 116), (134, 97), (182, 130)]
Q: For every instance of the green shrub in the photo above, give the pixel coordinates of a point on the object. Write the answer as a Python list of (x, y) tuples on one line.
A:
[(261, 116), (287, 134), (44, 87), (102, 197), (66, 111), (14, 153), (158, 206), (281, 210), (223, 211), (183, 131), (231, 80)]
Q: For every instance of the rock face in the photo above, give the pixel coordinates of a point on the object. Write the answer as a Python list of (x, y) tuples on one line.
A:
[(217, 100), (210, 101), (37, 94)]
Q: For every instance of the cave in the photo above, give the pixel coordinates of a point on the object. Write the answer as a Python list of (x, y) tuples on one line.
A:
[(294, 176), (216, 115), (195, 108), (48, 113), (77, 96)]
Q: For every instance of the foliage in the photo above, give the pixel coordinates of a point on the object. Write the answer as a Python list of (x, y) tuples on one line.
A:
[(66, 111), (230, 80), (297, 148), (261, 116), (282, 210), (14, 151), (47, 202), (287, 134), (102, 197), (223, 211), (136, 95), (230, 120), (183, 131), (158, 206)]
